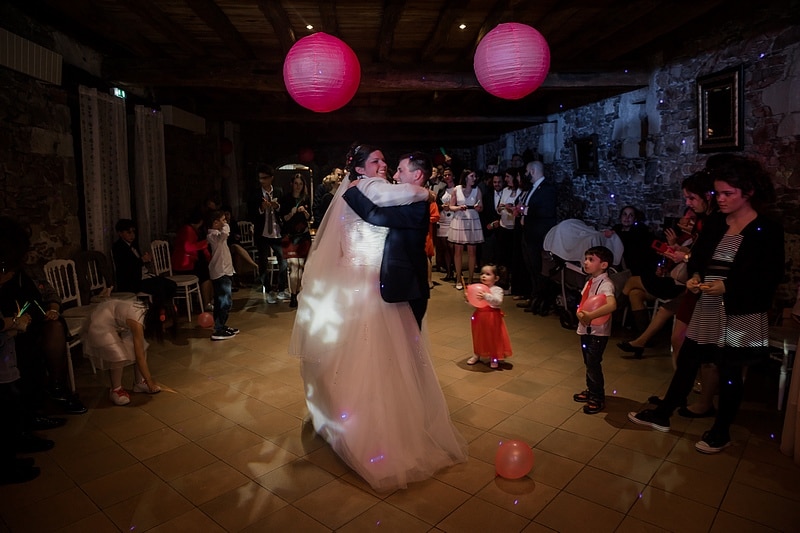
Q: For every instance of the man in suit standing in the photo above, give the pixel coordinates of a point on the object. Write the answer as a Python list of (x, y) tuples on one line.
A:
[(404, 268), (537, 215), (490, 218), (263, 208)]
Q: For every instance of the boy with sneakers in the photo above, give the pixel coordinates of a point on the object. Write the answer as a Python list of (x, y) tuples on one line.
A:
[(594, 335), (220, 270)]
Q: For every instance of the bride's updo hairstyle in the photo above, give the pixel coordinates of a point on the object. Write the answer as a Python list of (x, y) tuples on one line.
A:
[(357, 157)]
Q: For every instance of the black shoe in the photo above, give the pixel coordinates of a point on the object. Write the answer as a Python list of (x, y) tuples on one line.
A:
[(712, 442), (635, 350), (655, 400), (581, 397), (73, 406), (594, 406), (524, 303), (30, 443), (530, 309), (18, 472), (686, 413), (43, 423), (650, 418), (293, 301)]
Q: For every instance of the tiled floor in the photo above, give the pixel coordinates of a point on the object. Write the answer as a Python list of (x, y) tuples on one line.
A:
[(227, 449)]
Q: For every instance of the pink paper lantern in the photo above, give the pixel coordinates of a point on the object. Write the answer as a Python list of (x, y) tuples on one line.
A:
[(512, 61), (321, 73)]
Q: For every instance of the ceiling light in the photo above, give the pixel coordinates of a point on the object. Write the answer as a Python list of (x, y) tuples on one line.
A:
[(309, 27), (462, 26)]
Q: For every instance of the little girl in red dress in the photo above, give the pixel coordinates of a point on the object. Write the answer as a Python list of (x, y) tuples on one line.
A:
[(489, 334)]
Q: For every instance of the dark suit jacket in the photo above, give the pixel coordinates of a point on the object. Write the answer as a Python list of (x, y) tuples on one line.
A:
[(254, 204), (541, 214), (127, 267), (404, 269)]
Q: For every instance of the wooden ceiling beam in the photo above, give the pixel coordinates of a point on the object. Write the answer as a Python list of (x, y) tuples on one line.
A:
[(87, 15), (255, 75), (280, 22), (154, 17), (445, 24), (327, 12), (392, 10), (216, 19), (649, 28)]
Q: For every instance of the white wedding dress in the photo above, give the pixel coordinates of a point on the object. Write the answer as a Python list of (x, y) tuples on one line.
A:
[(370, 385)]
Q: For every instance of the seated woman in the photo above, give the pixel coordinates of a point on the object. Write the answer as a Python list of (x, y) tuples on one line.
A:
[(114, 337), (666, 283), (637, 238), (190, 254), (699, 200), (41, 349)]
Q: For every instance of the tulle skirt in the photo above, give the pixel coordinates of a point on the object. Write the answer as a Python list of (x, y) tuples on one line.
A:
[(369, 381), (489, 334)]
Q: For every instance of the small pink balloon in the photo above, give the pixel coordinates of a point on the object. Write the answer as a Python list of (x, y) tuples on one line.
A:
[(205, 320), (514, 459), (474, 295), (595, 302)]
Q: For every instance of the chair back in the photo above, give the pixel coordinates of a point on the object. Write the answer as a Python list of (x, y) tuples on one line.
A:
[(162, 262), (97, 282), (62, 276), (246, 233)]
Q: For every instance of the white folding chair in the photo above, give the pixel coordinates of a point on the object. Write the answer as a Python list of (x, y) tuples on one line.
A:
[(97, 284), (61, 275), (187, 283), (783, 341), (247, 240)]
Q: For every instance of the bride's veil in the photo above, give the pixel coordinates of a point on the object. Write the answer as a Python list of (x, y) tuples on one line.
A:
[(316, 324)]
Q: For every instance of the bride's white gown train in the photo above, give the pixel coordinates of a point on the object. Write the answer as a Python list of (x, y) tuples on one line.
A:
[(370, 385)]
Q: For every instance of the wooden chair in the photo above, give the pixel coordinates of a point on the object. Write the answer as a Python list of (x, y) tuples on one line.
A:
[(187, 283)]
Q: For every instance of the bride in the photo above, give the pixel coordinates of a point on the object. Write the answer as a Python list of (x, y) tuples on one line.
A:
[(369, 381)]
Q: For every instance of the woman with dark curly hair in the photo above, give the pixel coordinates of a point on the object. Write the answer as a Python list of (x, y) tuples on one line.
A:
[(735, 267)]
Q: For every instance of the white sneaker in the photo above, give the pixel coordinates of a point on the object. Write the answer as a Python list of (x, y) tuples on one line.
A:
[(271, 299), (142, 386), (472, 360), (209, 308), (459, 286), (119, 396), (284, 296)]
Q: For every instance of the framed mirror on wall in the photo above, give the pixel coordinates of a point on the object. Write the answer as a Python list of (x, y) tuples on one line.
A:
[(586, 155), (720, 110)]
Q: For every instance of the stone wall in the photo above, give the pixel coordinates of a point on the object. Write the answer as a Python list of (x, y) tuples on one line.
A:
[(648, 145), (38, 184)]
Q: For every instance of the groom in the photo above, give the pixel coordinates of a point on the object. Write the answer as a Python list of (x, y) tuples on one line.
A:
[(404, 268)]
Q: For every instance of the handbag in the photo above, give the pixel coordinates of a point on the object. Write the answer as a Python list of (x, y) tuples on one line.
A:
[(680, 273)]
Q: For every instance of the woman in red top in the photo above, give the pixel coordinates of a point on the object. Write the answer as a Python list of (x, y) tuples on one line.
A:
[(190, 254)]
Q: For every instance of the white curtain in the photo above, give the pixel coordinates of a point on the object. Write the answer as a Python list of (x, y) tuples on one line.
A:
[(230, 171), (150, 181), (104, 147)]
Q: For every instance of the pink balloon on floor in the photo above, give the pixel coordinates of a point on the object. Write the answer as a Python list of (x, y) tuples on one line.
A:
[(473, 294), (514, 459), (594, 302), (205, 320)]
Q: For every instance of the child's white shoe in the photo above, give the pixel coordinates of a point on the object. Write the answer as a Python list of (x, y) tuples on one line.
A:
[(472, 360), (494, 364), (144, 387), (119, 396)]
